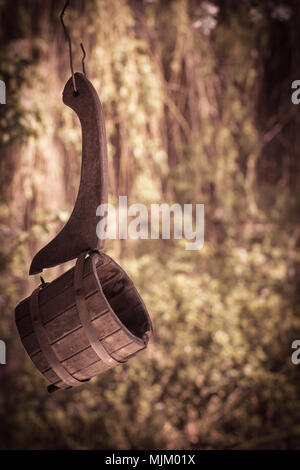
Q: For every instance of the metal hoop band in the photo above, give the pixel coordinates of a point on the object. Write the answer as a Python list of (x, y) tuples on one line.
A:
[(84, 314), (44, 343)]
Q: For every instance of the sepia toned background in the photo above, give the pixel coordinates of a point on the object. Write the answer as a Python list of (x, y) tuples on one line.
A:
[(197, 99)]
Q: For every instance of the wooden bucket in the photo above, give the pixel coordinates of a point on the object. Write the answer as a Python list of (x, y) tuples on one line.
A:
[(83, 323)]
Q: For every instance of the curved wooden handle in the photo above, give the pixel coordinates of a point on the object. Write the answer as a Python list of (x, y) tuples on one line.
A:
[(79, 233)]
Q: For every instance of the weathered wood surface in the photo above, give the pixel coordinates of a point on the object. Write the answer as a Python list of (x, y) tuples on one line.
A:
[(70, 241), (118, 316)]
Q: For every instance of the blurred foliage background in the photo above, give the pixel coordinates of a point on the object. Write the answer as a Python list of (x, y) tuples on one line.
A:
[(197, 98)]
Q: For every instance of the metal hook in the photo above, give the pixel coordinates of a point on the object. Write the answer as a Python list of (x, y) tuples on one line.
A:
[(70, 44), (83, 57)]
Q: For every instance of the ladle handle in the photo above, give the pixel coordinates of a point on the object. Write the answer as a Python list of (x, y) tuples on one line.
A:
[(79, 233)]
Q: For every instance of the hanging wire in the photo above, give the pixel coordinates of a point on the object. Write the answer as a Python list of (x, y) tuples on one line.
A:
[(83, 57), (70, 45)]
